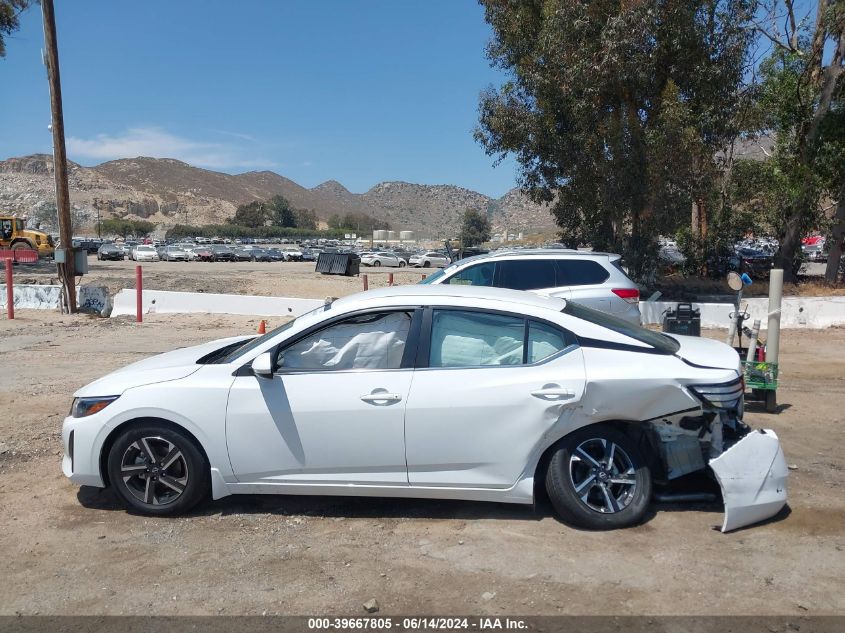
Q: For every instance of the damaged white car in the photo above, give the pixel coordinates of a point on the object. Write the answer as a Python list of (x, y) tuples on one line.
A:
[(449, 392)]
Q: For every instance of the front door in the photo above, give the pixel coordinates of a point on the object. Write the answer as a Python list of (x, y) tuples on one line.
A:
[(334, 411)]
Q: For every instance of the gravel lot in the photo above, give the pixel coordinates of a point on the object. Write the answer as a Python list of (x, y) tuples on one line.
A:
[(72, 551)]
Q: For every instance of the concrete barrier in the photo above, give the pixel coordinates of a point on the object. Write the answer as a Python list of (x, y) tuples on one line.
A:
[(48, 297), (168, 302), (796, 312)]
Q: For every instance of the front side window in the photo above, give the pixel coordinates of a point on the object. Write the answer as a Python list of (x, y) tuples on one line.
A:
[(527, 274), (478, 275), (371, 341), (474, 339)]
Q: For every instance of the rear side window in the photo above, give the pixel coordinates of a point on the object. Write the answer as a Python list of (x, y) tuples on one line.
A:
[(545, 341), (660, 342), (527, 274), (581, 272)]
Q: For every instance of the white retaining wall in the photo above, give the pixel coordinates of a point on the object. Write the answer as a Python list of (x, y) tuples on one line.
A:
[(796, 312), (167, 302), (47, 297)]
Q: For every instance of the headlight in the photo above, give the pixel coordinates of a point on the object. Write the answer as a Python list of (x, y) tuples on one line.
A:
[(722, 396), (83, 407)]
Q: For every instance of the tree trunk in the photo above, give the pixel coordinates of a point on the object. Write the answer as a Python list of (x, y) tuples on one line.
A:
[(834, 258)]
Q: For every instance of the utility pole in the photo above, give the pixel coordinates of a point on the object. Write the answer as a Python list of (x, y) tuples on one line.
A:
[(51, 59)]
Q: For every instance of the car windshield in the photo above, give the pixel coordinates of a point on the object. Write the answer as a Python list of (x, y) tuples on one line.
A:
[(662, 343), (251, 344)]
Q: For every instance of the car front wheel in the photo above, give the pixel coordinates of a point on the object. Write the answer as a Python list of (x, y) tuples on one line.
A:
[(157, 470), (401, 263), (598, 479)]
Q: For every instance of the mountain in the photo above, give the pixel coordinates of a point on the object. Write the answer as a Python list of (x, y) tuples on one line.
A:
[(167, 191)]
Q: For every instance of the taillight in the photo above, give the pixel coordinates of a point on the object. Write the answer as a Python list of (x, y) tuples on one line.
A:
[(631, 295)]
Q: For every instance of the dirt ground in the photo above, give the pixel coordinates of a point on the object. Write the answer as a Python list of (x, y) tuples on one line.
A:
[(67, 550)]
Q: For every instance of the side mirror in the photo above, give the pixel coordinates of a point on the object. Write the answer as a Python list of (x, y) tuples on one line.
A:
[(262, 365)]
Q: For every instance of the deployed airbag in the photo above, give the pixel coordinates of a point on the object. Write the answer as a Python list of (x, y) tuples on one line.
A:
[(752, 474)]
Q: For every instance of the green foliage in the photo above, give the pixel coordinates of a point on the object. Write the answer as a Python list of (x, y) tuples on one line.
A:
[(615, 111), (9, 23), (126, 228), (281, 213), (475, 228), (234, 231), (306, 219), (253, 214)]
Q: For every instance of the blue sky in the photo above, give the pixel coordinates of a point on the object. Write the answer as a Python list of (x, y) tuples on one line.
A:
[(359, 91)]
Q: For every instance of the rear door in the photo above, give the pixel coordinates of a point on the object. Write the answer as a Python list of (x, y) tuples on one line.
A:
[(486, 389)]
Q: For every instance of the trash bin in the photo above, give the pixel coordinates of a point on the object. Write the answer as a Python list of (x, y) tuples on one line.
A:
[(682, 320), (348, 264)]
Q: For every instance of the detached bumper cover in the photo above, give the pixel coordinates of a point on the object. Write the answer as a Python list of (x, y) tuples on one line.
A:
[(752, 474)]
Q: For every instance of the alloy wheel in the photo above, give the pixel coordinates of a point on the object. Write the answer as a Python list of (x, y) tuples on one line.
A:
[(154, 470), (602, 475)]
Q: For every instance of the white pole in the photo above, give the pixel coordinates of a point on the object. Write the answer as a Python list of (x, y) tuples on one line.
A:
[(773, 333)]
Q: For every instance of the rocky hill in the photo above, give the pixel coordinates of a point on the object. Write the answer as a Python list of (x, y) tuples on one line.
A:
[(168, 191)]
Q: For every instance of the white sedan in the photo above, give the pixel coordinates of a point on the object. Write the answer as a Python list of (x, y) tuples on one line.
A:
[(433, 392), (145, 253), (382, 259), (429, 259)]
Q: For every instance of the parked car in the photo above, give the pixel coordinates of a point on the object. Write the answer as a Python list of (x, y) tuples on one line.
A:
[(145, 253), (429, 259), (814, 248), (309, 255), (383, 258), (757, 263), (222, 253), (242, 254), (275, 255), (173, 254), (548, 393), (259, 255), (292, 254), (110, 251), (203, 253), (595, 280)]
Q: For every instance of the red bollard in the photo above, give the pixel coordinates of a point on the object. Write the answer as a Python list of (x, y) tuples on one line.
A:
[(423, 276), (10, 291), (366, 282), (389, 279), (139, 295)]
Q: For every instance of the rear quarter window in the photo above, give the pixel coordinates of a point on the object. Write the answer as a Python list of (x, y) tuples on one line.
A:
[(581, 272)]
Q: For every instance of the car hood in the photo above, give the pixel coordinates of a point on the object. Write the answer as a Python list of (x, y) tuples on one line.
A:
[(707, 353), (172, 365)]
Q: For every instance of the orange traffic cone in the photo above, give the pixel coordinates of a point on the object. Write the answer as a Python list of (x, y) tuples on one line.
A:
[(262, 327)]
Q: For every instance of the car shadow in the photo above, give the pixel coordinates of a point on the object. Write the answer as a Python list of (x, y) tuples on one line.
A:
[(758, 406), (338, 507)]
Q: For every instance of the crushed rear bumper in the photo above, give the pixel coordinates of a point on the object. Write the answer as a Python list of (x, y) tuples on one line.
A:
[(752, 474)]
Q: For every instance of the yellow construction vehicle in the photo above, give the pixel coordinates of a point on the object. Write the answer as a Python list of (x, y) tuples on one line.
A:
[(15, 235)]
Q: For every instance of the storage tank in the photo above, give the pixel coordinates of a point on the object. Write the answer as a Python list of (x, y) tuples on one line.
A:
[(380, 235), (391, 235), (406, 236)]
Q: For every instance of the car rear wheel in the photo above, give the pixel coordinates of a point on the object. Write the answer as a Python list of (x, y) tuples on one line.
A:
[(598, 479), (156, 470), (377, 263), (401, 263), (426, 264)]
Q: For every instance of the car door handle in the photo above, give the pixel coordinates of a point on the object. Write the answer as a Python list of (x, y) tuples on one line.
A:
[(381, 396), (553, 393)]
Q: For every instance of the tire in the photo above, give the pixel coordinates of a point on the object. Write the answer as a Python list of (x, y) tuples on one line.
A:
[(21, 246), (426, 264), (377, 263), (175, 488), (401, 263), (581, 458)]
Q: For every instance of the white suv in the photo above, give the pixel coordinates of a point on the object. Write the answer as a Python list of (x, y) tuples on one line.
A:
[(595, 280)]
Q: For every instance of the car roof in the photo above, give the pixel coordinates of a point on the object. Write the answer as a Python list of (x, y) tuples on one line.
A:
[(545, 252), (429, 293)]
